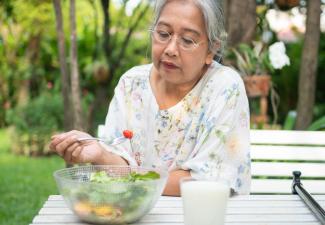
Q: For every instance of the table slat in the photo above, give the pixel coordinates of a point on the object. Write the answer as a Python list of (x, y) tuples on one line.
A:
[(179, 211)]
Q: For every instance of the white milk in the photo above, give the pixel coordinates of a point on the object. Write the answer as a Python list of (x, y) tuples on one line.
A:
[(204, 202)]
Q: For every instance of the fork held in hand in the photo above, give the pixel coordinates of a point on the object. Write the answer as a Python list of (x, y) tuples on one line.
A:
[(127, 134), (116, 141)]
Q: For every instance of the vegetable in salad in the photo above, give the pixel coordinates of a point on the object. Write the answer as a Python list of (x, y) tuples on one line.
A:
[(114, 199)]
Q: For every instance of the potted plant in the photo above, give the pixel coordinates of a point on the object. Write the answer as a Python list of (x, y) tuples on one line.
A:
[(255, 63), (287, 4)]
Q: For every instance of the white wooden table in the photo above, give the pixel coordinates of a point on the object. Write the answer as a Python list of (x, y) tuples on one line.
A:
[(249, 209)]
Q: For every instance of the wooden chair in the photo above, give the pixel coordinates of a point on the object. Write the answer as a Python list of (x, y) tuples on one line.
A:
[(275, 154)]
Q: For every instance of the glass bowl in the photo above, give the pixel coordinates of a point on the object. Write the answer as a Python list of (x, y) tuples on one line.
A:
[(110, 194)]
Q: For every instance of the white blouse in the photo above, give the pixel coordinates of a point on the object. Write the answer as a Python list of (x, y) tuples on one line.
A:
[(207, 132)]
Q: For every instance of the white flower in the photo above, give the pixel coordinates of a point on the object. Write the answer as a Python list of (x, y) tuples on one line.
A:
[(277, 55)]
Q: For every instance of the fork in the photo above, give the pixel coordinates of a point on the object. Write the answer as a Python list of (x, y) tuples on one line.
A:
[(116, 141)]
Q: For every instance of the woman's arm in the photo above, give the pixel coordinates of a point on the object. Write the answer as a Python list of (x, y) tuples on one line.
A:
[(173, 186)]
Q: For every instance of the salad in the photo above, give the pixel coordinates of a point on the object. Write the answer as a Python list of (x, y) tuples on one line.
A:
[(118, 199)]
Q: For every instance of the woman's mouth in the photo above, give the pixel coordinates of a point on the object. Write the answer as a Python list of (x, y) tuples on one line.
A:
[(169, 65)]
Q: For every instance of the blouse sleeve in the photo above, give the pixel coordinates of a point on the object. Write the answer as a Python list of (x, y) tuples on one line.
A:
[(222, 147), (116, 122)]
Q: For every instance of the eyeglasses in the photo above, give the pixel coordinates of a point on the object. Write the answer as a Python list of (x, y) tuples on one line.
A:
[(184, 42)]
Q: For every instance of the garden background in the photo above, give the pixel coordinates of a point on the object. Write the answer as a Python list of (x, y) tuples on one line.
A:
[(60, 61)]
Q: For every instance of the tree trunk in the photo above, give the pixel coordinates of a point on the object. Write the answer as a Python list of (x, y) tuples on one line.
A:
[(96, 24), (106, 30), (75, 84), (240, 21), (32, 54), (65, 90), (308, 67)]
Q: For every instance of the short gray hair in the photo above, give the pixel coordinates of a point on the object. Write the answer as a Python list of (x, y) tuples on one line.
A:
[(213, 18)]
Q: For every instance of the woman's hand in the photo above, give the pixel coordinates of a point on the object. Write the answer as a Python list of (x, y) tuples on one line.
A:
[(74, 151)]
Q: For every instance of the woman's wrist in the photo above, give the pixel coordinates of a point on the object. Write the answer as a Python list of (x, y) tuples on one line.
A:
[(109, 158)]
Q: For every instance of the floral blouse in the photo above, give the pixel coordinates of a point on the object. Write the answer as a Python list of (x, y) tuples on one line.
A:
[(207, 132)]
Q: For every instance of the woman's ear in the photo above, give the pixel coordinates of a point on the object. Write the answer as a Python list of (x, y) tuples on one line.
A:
[(209, 58), (211, 54)]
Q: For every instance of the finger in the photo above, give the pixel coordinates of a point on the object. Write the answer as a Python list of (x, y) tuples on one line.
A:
[(55, 136), (69, 150), (61, 136), (75, 156), (53, 144), (56, 139), (65, 144), (60, 142)]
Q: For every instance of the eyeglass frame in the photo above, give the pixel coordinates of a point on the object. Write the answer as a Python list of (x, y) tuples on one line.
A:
[(196, 45)]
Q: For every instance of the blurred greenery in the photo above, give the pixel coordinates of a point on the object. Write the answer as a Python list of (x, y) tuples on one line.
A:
[(25, 183), (286, 81), (35, 122), (290, 120), (30, 66), (318, 124)]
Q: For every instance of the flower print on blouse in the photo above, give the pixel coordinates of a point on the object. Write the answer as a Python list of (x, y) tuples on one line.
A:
[(207, 132)]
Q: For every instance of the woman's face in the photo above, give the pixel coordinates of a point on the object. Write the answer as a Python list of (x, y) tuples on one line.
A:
[(174, 64)]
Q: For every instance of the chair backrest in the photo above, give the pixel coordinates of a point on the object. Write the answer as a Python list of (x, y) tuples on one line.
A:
[(275, 154)]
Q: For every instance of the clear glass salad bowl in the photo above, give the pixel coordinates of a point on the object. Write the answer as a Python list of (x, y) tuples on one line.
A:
[(110, 194)]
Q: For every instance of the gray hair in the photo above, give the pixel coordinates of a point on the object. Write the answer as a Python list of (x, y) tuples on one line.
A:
[(213, 18)]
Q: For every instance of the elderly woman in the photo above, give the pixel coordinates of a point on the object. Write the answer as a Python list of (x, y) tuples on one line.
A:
[(189, 114)]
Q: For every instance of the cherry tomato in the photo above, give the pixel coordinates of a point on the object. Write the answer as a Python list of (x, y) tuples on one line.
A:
[(128, 134)]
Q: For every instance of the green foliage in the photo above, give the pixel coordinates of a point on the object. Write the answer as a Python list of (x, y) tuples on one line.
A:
[(26, 22), (252, 60), (290, 120), (319, 118), (285, 80), (25, 183), (318, 124), (35, 122)]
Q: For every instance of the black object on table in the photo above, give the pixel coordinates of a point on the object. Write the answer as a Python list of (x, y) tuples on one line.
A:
[(297, 188)]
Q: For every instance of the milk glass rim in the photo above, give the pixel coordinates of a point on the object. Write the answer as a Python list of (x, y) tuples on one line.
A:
[(217, 180)]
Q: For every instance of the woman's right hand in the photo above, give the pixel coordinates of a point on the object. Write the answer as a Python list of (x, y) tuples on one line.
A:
[(74, 151)]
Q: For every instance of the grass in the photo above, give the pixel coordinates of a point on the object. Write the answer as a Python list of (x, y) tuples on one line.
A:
[(25, 183)]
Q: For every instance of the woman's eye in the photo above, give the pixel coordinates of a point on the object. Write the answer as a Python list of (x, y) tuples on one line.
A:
[(163, 34), (187, 41)]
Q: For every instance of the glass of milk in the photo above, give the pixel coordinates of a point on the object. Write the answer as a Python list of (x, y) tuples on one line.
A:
[(204, 201)]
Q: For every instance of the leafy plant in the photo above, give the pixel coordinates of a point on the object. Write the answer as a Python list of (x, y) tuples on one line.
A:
[(290, 120), (35, 122), (258, 59), (318, 124)]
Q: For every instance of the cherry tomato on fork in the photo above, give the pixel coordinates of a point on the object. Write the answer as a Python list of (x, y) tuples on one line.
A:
[(128, 134)]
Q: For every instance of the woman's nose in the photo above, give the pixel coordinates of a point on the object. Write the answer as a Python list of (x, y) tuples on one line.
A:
[(172, 47)]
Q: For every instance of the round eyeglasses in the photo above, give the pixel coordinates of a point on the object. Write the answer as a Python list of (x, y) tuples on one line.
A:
[(184, 42)]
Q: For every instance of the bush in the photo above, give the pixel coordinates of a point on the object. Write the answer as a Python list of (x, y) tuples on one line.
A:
[(34, 123)]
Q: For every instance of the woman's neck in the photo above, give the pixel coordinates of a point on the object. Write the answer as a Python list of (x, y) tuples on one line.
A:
[(168, 94)]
